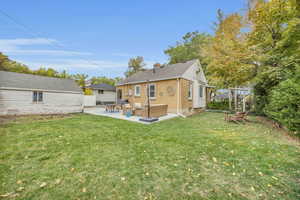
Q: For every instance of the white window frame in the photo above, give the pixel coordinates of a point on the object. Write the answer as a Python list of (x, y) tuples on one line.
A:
[(190, 92), (38, 95), (152, 84), (135, 93)]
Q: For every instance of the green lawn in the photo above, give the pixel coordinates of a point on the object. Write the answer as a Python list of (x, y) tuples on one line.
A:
[(94, 157)]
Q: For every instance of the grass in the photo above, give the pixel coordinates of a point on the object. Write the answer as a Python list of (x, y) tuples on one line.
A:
[(94, 157)]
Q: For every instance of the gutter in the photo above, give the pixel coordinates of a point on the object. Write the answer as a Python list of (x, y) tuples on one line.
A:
[(153, 80)]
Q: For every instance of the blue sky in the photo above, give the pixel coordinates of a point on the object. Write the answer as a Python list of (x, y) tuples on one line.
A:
[(98, 37)]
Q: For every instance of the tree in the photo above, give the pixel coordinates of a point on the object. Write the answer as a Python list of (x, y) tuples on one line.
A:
[(191, 47), (275, 37), (46, 72), (3, 62), (118, 79), (220, 19), (230, 62), (284, 103), (8, 65), (268, 21), (64, 74), (135, 65), (80, 79), (103, 79)]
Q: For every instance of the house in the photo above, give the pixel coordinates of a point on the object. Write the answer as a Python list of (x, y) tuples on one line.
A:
[(31, 94), (181, 86), (104, 93)]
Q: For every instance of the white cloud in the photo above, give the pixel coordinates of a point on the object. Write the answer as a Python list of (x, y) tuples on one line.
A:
[(127, 55), (59, 59), (92, 67), (45, 52), (24, 41), (15, 47), (100, 67), (15, 44)]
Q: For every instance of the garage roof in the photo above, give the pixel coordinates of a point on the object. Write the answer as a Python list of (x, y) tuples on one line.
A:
[(35, 82)]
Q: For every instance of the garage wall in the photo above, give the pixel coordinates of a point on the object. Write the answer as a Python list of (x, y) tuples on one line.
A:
[(89, 100), (19, 102), (107, 96)]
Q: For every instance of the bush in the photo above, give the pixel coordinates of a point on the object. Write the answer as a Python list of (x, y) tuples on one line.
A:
[(284, 104), (88, 91), (218, 105), (265, 82)]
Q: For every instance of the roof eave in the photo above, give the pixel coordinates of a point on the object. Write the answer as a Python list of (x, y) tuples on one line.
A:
[(151, 80), (102, 89)]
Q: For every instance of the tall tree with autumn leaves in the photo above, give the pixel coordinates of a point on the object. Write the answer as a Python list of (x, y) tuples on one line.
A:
[(230, 62), (261, 47), (275, 38)]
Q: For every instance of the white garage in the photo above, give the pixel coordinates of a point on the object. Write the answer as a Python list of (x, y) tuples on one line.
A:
[(32, 94), (104, 93)]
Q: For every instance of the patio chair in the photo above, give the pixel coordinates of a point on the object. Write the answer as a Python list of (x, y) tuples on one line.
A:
[(110, 107)]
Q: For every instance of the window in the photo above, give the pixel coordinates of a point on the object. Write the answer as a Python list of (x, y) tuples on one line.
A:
[(200, 91), (40, 96), (152, 92), (190, 92), (37, 96), (137, 90), (100, 91), (34, 97)]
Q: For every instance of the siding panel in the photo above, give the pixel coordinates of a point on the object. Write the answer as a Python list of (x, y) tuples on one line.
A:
[(20, 102), (107, 96)]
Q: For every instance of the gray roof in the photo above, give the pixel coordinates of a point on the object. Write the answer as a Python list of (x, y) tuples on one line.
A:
[(103, 86), (29, 81), (166, 72)]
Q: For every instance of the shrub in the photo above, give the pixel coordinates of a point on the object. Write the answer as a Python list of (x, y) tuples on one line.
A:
[(218, 105), (284, 104), (88, 91), (265, 82)]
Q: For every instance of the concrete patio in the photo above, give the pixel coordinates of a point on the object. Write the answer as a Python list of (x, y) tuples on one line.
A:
[(118, 115)]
